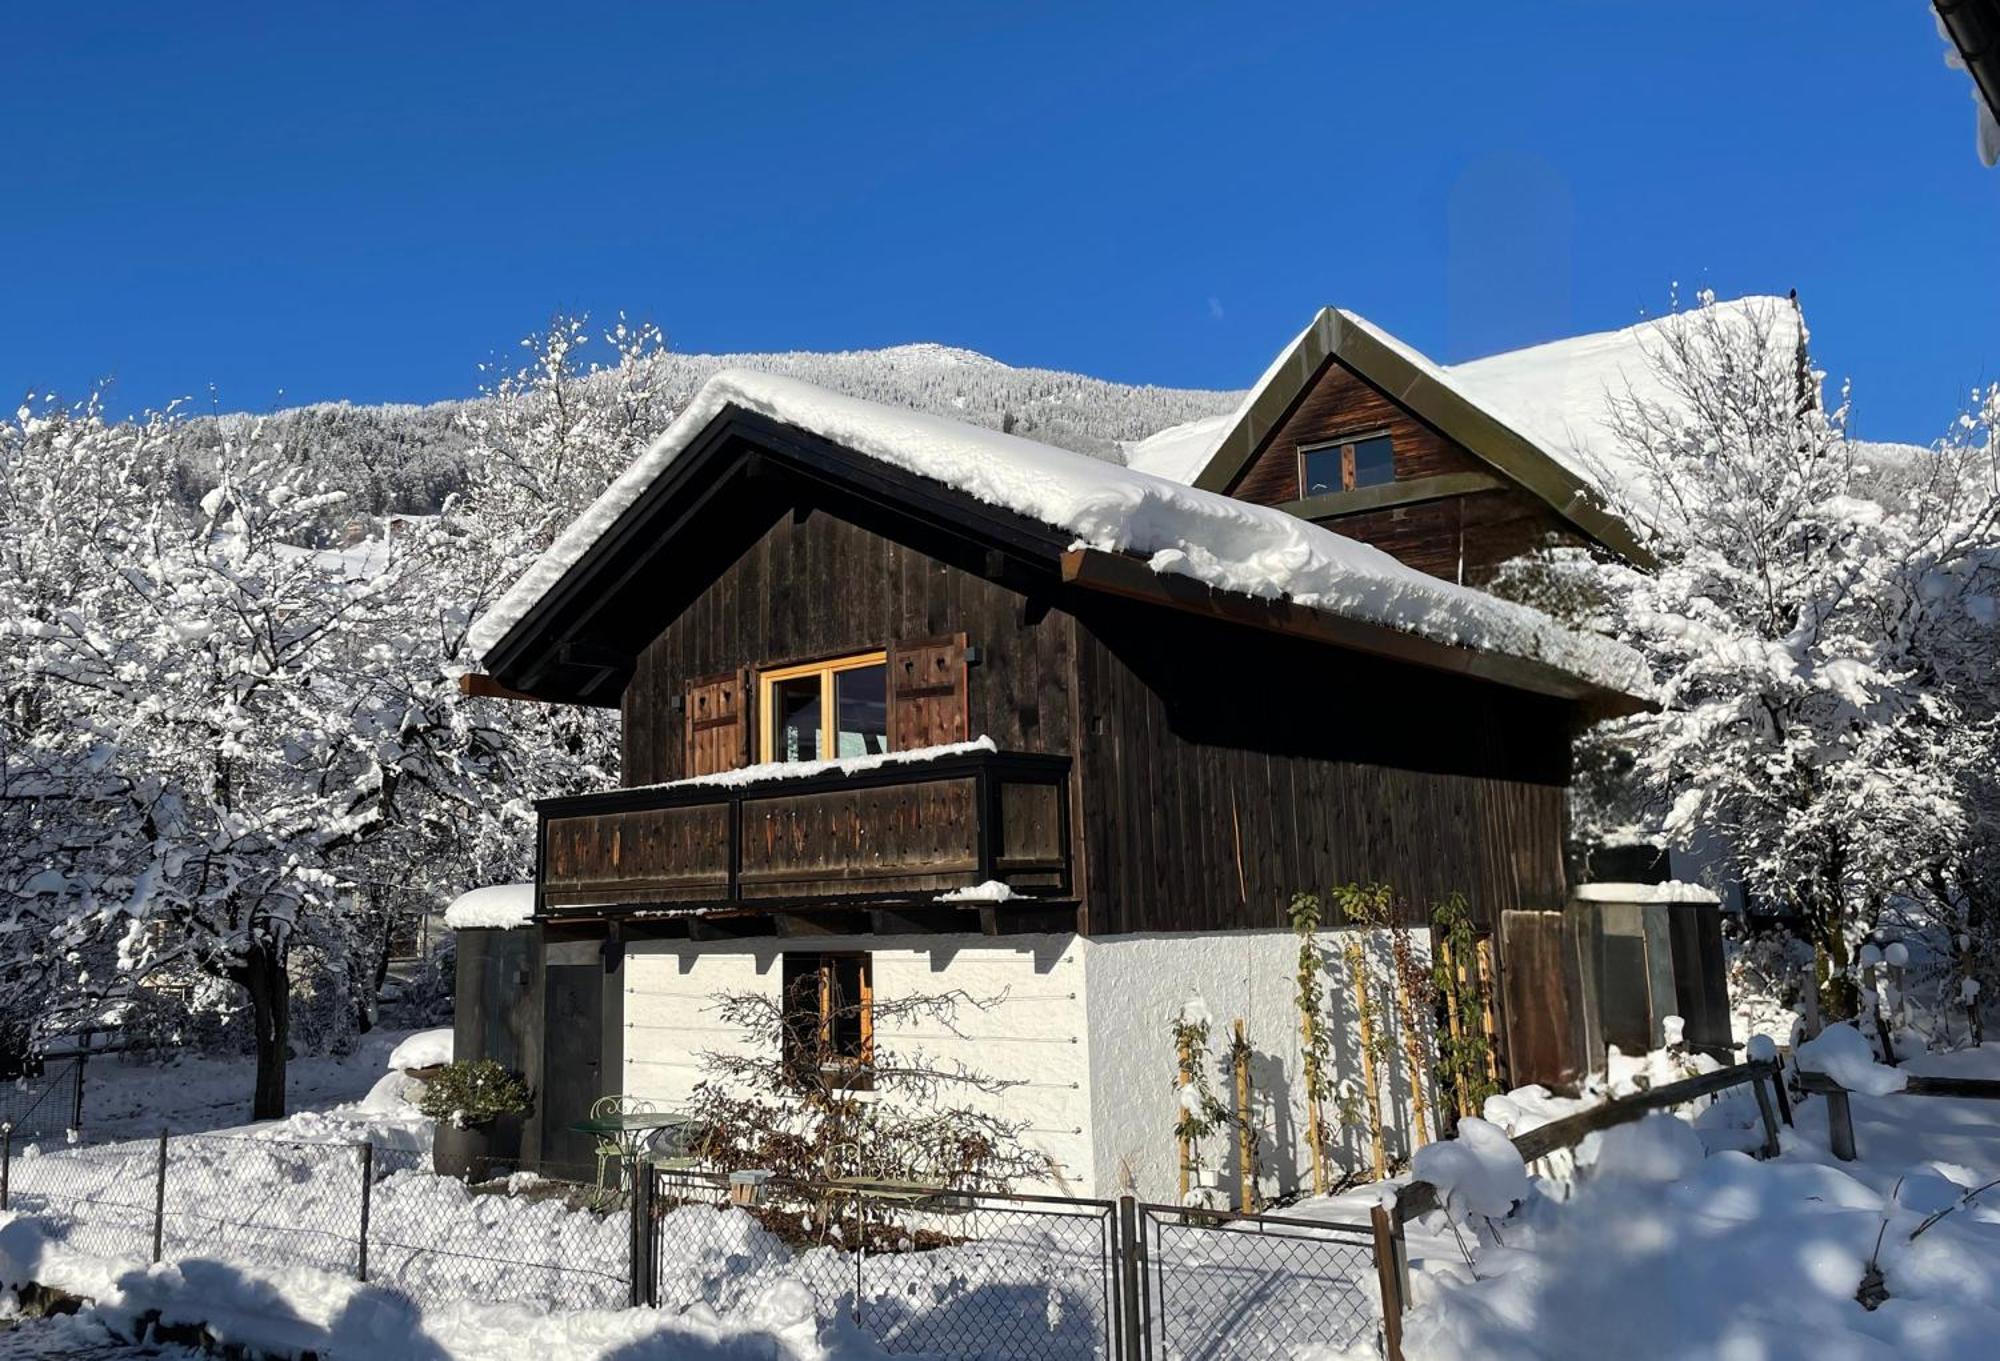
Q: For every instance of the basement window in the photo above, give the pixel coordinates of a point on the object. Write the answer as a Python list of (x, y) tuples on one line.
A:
[(1347, 464), (829, 1020), (827, 710)]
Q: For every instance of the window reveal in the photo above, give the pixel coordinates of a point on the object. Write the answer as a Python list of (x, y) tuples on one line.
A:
[(829, 1019)]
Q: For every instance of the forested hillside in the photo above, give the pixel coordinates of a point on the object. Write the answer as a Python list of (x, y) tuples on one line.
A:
[(402, 458)]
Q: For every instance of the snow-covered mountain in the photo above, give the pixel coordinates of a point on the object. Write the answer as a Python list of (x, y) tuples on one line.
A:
[(408, 458)]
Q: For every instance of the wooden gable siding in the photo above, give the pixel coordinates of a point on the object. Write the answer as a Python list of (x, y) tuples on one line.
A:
[(825, 586), (1458, 538), (1223, 772)]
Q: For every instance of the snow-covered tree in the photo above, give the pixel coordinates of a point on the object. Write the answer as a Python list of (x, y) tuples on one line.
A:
[(1823, 645)]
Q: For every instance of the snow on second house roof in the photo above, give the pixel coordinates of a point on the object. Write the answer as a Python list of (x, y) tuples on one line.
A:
[(1558, 396), (1179, 452), (1555, 396), (1228, 544)]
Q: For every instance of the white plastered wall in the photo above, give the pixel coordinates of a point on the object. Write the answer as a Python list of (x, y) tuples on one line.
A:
[(1031, 1033), (1136, 985)]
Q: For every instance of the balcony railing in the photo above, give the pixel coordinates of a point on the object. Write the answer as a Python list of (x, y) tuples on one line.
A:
[(903, 832)]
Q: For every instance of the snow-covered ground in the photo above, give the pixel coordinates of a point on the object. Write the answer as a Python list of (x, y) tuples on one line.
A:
[(1661, 1239), (126, 1098), (1654, 1250)]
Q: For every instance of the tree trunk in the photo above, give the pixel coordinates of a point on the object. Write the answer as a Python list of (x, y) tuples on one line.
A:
[(264, 976)]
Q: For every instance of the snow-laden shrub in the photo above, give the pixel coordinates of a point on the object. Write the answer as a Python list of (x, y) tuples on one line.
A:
[(471, 1092)]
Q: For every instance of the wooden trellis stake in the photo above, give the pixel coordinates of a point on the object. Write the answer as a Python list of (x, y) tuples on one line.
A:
[(1308, 1035), (1461, 1095), (1180, 1136), (1483, 949), (1246, 1125), (1413, 1038), (1357, 967)]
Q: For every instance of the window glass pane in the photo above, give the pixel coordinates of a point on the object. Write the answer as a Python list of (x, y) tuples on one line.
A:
[(1374, 462), (1322, 471), (861, 708), (795, 714)]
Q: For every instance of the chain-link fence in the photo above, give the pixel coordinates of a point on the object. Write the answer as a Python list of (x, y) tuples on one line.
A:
[(1022, 1278), (984, 1277), (358, 1209), (1221, 1286), (44, 1099), (945, 1273)]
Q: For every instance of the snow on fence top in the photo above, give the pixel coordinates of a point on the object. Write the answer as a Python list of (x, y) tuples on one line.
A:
[(1673, 891), (1228, 544), (500, 905)]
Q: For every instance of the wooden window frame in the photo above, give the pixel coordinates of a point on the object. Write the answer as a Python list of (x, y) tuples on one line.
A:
[(829, 717), (1345, 443), (860, 1076)]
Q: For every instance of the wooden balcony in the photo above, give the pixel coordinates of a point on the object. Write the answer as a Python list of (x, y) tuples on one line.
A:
[(902, 834)]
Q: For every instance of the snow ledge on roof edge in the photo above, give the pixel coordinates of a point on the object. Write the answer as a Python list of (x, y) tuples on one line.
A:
[(1227, 544)]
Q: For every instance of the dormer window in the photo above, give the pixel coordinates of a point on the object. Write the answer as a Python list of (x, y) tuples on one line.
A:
[(1347, 464)]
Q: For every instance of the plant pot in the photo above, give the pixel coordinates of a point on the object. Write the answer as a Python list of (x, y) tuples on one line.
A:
[(465, 1153)]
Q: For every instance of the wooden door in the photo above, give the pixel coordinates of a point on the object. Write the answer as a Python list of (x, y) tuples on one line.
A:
[(1536, 999)]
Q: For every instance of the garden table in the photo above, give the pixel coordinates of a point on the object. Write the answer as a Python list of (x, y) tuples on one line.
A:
[(634, 1131)]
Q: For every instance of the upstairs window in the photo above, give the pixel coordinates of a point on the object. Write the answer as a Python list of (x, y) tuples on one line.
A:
[(826, 710), (829, 1019), (1347, 464)]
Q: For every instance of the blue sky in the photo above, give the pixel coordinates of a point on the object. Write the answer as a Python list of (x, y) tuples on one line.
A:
[(365, 201)]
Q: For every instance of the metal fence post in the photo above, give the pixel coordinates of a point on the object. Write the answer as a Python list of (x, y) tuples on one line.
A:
[(1388, 1255), (367, 1194), (160, 1200), (1125, 1247), (644, 1289), (76, 1095), (1840, 1125), (6, 1158), (860, 1249)]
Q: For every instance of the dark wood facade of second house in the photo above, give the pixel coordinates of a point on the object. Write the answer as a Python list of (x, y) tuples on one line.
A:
[(1460, 492), (1165, 758)]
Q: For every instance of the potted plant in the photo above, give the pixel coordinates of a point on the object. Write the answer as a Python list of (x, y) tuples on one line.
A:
[(463, 1099)]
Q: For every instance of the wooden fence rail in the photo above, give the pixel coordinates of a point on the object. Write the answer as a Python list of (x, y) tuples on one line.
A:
[(1840, 1115), (1420, 1197)]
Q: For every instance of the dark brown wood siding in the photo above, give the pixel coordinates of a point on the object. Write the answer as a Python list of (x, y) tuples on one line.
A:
[(824, 587), (1217, 770), (1459, 538), (1222, 772)]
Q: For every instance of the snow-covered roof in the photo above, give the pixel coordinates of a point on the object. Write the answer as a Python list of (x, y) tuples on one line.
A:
[(504, 906), (1179, 452), (1227, 544), (1553, 398), (1558, 394)]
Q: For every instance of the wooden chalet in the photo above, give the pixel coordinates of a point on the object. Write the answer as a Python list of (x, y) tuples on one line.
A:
[(898, 712)]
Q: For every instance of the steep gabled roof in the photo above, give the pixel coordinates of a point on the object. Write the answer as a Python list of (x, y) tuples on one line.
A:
[(1039, 503), (1537, 415)]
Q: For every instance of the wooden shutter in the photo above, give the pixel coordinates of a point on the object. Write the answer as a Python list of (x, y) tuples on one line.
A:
[(718, 723), (928, 703)]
